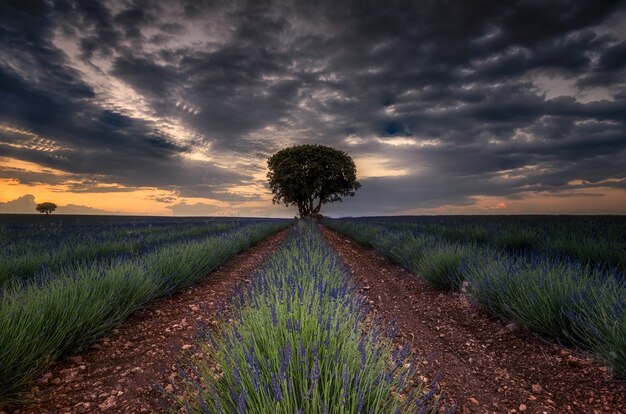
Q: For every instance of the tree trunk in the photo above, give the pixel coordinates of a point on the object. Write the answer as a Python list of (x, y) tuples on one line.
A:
[(317, 208), (303, 209)]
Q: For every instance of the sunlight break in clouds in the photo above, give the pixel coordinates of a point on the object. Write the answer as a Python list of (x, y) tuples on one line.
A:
[(173, 107)]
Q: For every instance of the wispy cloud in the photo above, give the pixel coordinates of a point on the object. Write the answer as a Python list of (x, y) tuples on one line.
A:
[(448, 101)]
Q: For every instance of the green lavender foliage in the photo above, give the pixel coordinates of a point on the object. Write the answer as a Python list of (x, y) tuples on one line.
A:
[(437, 261), (595, 240), (581, 303), (298, 343), (43, 320), (440, 264), (575, 303), (38, 245)]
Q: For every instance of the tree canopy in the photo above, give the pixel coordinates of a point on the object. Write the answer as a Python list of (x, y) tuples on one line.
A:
[(308, 176), (46, 207)]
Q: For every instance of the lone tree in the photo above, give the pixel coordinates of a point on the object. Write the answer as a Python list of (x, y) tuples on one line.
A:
[(308, 176), (46, 207)]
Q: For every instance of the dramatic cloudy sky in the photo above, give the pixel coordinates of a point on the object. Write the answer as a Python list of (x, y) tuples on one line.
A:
[(172, 107)]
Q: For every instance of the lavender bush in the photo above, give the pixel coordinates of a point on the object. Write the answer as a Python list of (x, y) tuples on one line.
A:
[(298, 343), (577, 302), (58, 312)]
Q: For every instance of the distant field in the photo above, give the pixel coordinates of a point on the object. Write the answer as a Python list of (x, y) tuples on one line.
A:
[(596, 240), (560, 276), (299, 334), (34, 247), (66, 280)]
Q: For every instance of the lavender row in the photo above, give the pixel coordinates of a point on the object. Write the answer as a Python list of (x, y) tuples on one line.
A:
[(579, 304), (38, 245), (594, 240), (297, 343), (40, 322)]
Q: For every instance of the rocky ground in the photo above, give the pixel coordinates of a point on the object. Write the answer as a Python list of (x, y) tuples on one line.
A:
[(485, 364), (129, 371)]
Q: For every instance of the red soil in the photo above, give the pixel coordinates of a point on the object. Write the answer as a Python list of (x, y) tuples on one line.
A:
[(486, 366), (120, 374)]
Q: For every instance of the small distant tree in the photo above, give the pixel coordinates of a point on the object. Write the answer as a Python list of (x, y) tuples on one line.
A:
[(46, 207), (308, 176)]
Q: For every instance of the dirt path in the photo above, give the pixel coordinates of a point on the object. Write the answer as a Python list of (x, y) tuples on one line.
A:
[(119, 374), (484, 367)]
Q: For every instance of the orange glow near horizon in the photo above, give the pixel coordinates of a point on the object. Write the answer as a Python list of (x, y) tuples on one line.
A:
[(141, 201), (132, 201), (607, 200)]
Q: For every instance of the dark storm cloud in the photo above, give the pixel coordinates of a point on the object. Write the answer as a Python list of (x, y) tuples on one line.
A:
[(477, 83), (49, 98), (611, 67), (30, 177), (91, 186), (163, 199)]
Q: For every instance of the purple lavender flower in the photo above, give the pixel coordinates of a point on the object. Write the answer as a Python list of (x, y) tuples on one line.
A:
[(241, 404), (345, 384), (315, 374), (274, 317), (361, 348), (216, 399), (278, 394)]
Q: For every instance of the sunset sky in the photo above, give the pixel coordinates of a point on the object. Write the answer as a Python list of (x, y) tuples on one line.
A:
[(447, 107)]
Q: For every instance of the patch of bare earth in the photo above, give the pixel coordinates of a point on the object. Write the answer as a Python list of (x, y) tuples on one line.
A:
[(123, 373), (485, 366)]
